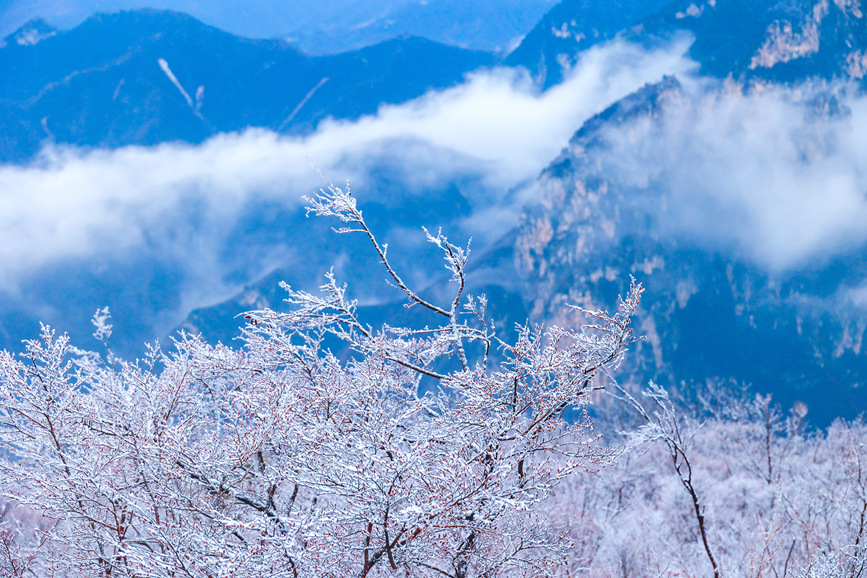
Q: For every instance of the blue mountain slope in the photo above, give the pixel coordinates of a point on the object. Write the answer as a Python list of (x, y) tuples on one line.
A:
[(710, 311), (146, 77), (571, 27)]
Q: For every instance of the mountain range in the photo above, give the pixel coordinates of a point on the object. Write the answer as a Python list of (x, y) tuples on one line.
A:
[(322, 27), (709, 310), (145, 77)]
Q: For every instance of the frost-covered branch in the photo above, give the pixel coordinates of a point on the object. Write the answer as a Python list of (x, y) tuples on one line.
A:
[(664, 424), (286, 458)]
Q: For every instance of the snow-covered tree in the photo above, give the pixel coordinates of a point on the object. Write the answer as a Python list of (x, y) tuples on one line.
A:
[(321, 447), (775, 500)]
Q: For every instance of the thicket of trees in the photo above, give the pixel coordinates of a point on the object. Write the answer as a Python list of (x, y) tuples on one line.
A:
[(724, 484), (325, 447)]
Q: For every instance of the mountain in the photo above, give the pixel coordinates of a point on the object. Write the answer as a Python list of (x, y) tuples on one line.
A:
[(571, 27), (260, 19), (711, 310), (771, 40), (707, 313), (493, 25), (145, 77)]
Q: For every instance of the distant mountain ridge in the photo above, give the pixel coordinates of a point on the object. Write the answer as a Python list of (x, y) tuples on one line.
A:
[(571, 27), (319, 27), (145, 77), (482, 24)]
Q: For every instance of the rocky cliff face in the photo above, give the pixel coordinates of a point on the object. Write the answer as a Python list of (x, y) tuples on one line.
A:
[(551, 49), (746, 39), (779, 41), (710, 310)]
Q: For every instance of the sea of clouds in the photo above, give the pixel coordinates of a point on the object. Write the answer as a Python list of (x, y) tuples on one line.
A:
[(181, 203), (766, 175)]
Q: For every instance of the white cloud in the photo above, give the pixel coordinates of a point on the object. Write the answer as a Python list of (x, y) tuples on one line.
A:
[(768, 175), (75, 204)]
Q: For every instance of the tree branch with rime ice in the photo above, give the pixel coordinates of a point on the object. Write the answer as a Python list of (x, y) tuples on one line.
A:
[(409, 450)]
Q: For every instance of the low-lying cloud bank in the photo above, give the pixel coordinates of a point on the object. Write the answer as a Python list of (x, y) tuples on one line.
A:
[(776, 176), (74, 204), (771, 176)]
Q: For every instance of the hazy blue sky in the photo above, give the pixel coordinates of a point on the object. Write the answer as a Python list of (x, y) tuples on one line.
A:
[(317, 25), (257, 18)]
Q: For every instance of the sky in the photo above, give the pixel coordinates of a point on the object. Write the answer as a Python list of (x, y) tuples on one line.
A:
[(254, 18), (317, 26)]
